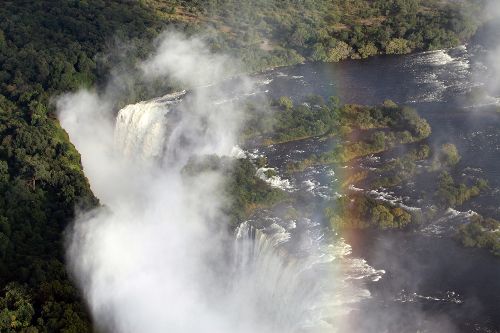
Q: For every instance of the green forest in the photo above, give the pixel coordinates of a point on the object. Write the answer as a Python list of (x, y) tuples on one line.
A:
[(46, 48), (49, 47), (272, 33)]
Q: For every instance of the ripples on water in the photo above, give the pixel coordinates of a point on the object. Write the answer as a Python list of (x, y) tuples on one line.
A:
[(428, 77), (436, 84)]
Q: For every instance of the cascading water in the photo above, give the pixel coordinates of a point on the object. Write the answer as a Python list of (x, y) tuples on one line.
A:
[(279, 290), (281, 286), (158, 256), (163, 239), (141, 128), (311, 290)]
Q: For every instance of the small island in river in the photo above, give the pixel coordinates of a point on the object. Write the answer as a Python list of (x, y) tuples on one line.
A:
[(396, 133)]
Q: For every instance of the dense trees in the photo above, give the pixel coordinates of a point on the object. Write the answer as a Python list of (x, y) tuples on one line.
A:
[(322, 30), (397, 46), (41, 183), (316, 117), (47, 47), (401, 168), (312, 118), (448, 155), (451, 194), (249, 191), (481, 232), (359, 211), (17, 310), (364, 130)]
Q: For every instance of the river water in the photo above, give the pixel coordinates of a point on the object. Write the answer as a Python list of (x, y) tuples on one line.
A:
[(421, 280)]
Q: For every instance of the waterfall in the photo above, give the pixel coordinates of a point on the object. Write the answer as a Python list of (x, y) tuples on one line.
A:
[(158, 255), (310, 291), (263, 282), (282, 286), (141, 129)]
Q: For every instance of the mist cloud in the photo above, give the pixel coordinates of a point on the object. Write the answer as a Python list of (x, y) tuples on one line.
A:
[(188, 61), (155, 257)]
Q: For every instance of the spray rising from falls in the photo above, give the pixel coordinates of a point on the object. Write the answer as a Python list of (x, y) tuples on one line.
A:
[(256, 285), (158, 256), (155, 258)]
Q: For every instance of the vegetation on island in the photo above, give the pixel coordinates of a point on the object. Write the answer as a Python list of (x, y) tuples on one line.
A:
[(364, 130), (450, 194), (481, 232), (245, 191), (360, 211), (312, 118), (389, 126), (360, 131), (401, 168)]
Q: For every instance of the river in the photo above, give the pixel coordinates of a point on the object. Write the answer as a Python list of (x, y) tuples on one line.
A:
[(425, 281)]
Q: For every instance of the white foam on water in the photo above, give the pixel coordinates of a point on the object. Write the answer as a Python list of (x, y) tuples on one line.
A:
[(389, 197), (355, 189), (438, 72), (448, 223), (316, 188), (310, 185), (265, 82), (275, 181), (412, 297), (238, 153)]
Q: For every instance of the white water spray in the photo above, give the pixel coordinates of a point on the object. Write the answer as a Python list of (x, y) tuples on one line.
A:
[(141, 128), (158, 258)]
